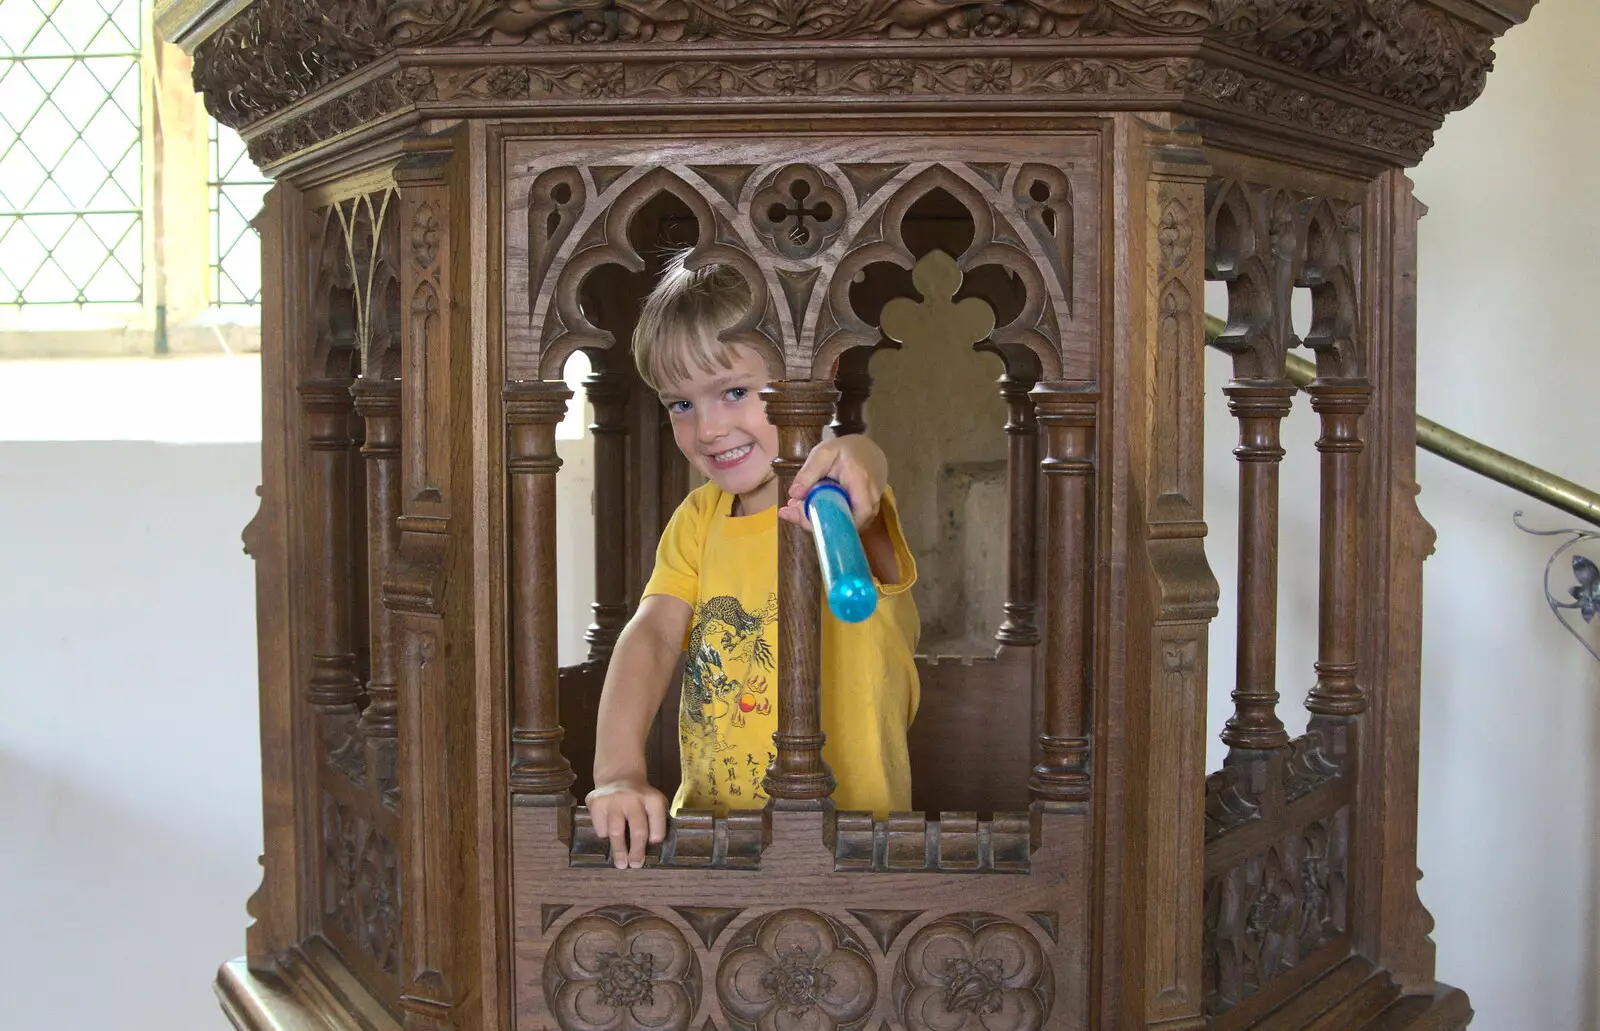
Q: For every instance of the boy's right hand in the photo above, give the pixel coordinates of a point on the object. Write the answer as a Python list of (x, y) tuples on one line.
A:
[(630, 813)]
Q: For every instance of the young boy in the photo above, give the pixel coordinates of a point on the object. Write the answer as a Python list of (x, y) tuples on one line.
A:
[(714, 594)]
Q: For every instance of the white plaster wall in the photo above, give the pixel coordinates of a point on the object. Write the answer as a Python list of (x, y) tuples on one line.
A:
[(1511, 704), (130, 812), (1510, 752), (130, 815)]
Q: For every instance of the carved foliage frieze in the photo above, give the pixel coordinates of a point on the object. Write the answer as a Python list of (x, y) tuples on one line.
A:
[(361, 884), (800, 234), (1409, 52), (276, 52), (1090, 80), (1274, 909)]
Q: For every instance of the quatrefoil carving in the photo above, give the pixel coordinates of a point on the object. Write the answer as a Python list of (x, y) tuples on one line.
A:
[(799, 211)]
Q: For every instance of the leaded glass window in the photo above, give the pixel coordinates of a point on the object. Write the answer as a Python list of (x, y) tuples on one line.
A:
[(236, 192), (71, 181)]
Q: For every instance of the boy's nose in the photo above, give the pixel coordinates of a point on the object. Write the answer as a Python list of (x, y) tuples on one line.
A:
[(708, 427)]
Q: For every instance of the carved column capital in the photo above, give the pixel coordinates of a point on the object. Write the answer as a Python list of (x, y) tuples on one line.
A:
[(377, 400)]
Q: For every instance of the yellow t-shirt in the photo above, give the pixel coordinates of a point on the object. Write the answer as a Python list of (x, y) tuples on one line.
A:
[(726, 567)]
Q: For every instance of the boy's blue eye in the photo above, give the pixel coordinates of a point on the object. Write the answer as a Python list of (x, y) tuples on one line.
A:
[(678, 407)]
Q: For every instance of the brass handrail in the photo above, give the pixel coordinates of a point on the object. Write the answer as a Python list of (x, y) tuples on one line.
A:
[(1482, 459)]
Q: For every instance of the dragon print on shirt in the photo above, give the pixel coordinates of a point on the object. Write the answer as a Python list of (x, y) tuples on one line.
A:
[(727, 693)]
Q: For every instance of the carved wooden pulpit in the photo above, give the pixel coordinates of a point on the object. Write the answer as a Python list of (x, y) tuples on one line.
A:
[(469, 192)]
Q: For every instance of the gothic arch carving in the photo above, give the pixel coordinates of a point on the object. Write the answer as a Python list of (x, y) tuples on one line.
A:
[(602, 239), (800, 232), (356, 288), (1330, 270), (995, 241), (1237, 254), (1265, 241), (334, 347)]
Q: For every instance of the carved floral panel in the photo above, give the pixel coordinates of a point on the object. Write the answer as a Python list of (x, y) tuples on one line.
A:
[(974, 972), (621, 968), (796, 969)]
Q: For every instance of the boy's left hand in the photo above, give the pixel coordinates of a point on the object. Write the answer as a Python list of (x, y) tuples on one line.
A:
[(860, 467)]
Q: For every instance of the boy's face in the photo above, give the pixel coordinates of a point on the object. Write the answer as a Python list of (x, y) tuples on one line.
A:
[(720, 424)]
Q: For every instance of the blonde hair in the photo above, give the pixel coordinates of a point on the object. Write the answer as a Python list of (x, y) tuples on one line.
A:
[(681, 318)]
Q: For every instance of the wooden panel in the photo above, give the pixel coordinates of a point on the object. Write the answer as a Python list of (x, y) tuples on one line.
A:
[(579, 686), (973, 734), (276, 905), (875, 946)]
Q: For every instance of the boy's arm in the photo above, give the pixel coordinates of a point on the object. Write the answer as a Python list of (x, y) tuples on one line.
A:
[(623, 805)]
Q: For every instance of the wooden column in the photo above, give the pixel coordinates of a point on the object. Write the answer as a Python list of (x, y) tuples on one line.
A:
[(798, 776), (608, 394), (1260, 407), (335, 687), (1020, 627), (377, 401), (1340, 403), (1388, 920), (854, 384), (539, 772), (1067, 412)]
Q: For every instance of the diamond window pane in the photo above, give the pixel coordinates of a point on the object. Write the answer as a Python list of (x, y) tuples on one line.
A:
[(71, 182), (47, 72), (48, 40), (49, 285), (237, 190), (21, 175), (20, 21), (20, 95), (79, 22)]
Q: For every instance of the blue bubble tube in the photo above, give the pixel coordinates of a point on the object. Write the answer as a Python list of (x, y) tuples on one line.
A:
[(846, 577)]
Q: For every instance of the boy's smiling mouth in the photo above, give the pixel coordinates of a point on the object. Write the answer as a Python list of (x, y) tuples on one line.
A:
[(732, 456)]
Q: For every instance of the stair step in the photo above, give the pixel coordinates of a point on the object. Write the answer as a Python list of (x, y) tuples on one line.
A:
[(1306, 1007), (1371, 998), (1356, 996), (1447, 1009)]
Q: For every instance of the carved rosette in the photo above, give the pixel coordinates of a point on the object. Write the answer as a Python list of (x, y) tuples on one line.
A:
[(796, 969), (974, 972), (622, 969)]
